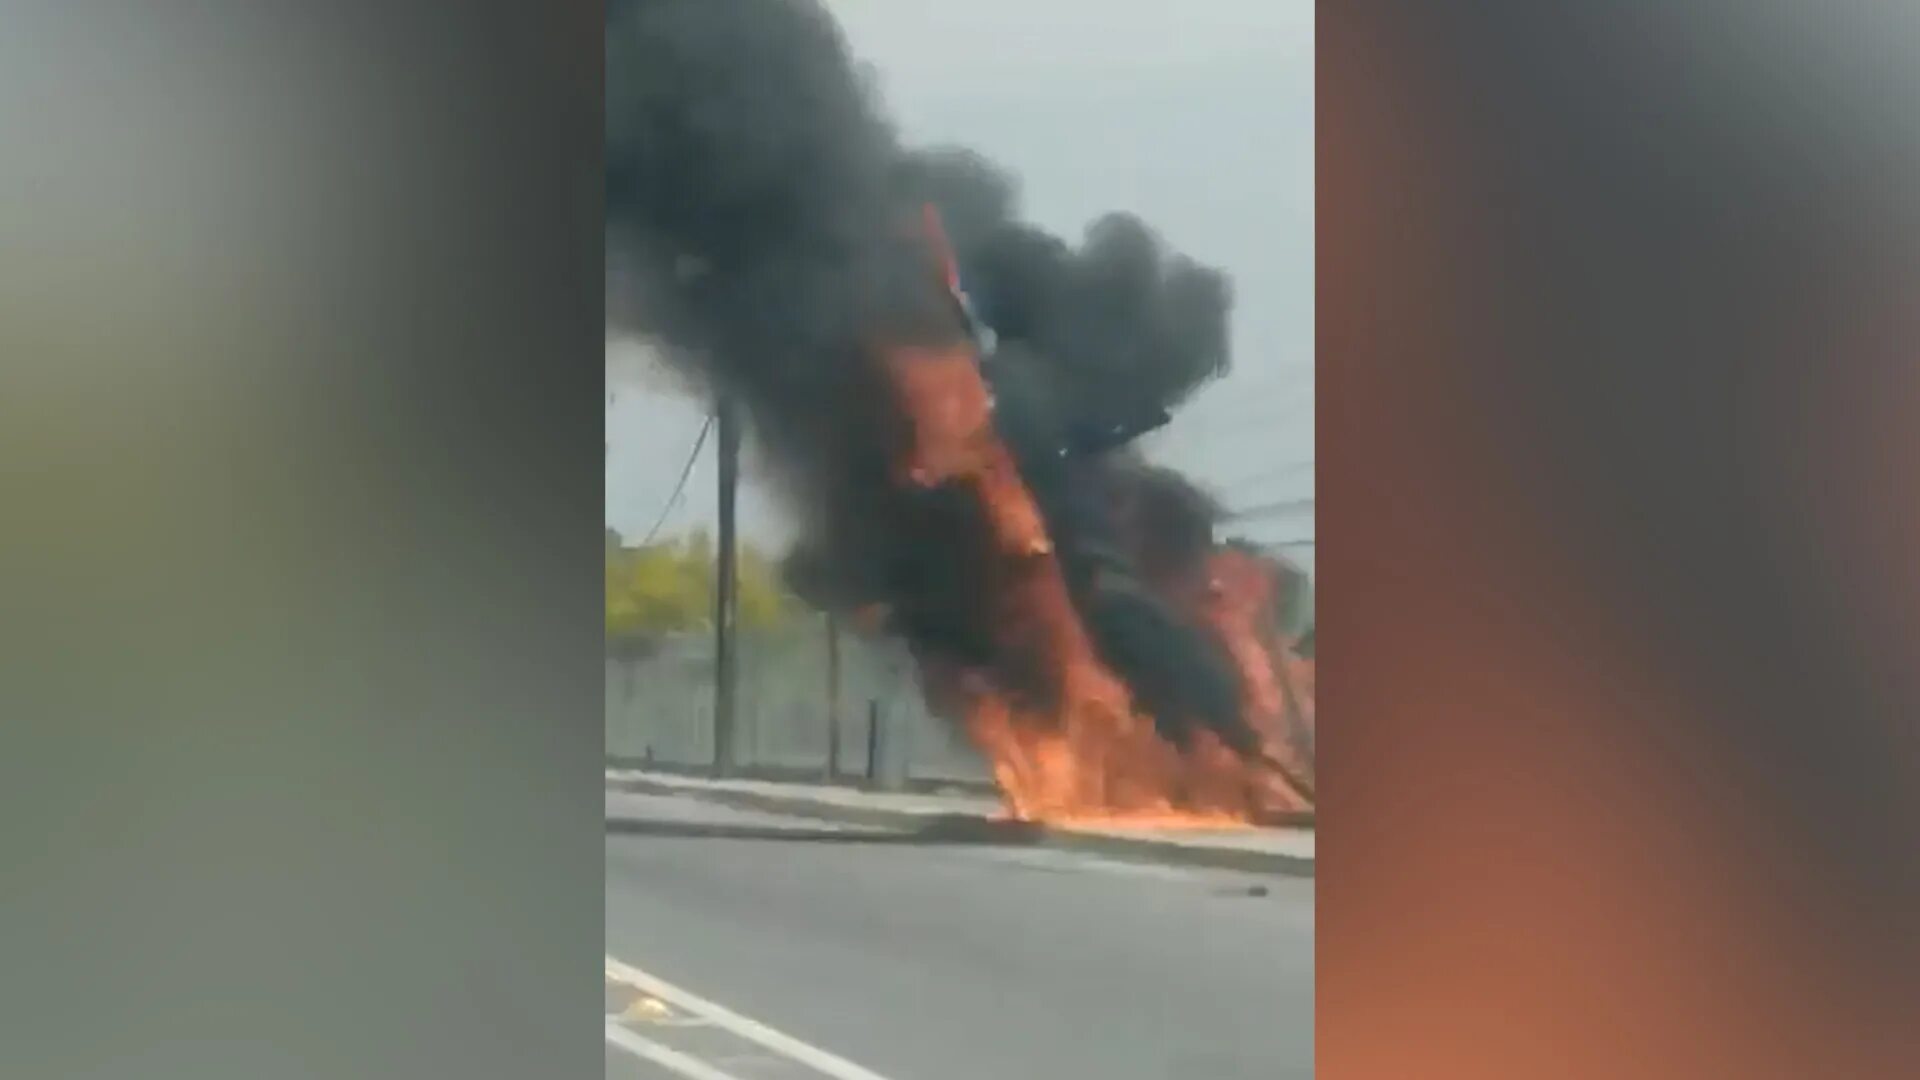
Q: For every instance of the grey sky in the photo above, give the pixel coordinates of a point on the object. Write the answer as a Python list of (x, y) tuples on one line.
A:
[(1197, 116)]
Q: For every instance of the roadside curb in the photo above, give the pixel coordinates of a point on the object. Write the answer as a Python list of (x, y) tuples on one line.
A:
[(982, 829)]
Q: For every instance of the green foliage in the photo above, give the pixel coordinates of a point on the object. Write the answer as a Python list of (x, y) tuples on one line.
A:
[(666, 587), (764, 601)]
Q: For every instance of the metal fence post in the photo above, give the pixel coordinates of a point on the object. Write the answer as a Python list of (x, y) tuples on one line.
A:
[(832, 770), (833, 748)]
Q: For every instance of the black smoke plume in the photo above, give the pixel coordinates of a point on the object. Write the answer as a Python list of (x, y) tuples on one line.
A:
[(762, 224)]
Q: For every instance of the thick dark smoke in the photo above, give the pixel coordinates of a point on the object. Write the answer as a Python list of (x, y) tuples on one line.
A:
[(1127, 329), (762, 223)]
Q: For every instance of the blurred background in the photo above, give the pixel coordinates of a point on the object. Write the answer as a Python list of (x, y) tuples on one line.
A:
[(301, 377)]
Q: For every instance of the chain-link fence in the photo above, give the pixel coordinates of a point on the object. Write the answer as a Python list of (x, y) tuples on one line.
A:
[(660, 710), (659, 705)]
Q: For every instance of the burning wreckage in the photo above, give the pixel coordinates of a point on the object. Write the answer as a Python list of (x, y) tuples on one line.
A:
[(958, 454), (1123, 662)]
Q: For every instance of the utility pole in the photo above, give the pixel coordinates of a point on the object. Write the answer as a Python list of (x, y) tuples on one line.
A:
[(725, 598)]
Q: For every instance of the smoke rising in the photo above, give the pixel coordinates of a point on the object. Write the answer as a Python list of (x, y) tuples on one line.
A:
[(1127, 329), (762, 217)]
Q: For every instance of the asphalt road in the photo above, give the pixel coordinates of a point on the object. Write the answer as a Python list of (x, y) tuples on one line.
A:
[(911, 961)]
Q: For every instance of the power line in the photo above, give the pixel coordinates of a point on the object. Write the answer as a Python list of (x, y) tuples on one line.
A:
[(685, 471), (1243, 415), (1270, 508), (1271, 473)]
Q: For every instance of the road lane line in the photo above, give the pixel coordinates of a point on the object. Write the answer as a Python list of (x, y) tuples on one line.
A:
[(664, 1056), (821, 1061)]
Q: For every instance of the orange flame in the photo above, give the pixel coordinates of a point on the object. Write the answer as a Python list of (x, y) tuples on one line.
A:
[(1088, 756), (1239, 602)]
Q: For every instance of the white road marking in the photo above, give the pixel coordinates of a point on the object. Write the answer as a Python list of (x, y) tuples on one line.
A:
[(813, 1057), (664, 1056)]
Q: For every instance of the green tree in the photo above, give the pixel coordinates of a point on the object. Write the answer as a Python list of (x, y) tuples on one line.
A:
[(666, 587), (764, 599)]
